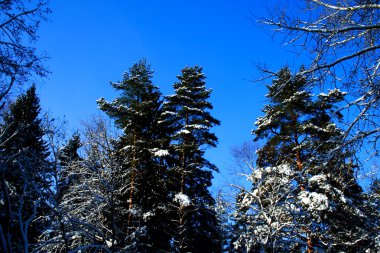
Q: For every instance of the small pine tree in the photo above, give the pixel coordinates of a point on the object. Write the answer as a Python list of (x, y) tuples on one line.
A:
[(186, 115)]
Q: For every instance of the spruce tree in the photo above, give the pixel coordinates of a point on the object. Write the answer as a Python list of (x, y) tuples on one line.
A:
[(25, 174), (67, 156), (186, 115), (303, 198), (142, 195)]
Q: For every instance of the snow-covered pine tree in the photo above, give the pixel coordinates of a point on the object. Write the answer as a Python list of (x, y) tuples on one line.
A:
[(186, 114), (303, 199), (86, 205), (25, 174), (142, 196)]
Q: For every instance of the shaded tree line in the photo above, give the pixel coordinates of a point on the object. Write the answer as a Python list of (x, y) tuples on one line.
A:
[(143, 186)]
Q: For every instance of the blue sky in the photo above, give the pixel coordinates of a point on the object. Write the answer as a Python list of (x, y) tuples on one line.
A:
[(93, 42)]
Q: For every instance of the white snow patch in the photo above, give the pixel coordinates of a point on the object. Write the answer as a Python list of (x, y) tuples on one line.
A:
[(183, 131), (257, 174), (262, 232), (147, 215), (169, 113), (109, 244), (159, 152), (314, 201), (334, 92), (320, 181), (192, 109), (127, 147), (182, 199), (263, 122), (283, 169), (317, 179), (197, 126), (295, 97)]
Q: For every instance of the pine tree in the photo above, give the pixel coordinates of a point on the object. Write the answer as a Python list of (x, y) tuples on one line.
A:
[(25, 174), (186, 115), (67, 156), (142, 195), (302, 196)]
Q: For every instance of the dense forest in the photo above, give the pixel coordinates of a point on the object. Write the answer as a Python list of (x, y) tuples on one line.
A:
[(138, 179)]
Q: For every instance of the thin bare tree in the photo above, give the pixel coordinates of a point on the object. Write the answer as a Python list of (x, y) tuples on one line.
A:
[(342, 40)]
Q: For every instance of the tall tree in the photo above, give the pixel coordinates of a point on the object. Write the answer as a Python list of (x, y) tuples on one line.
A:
[(25, 174), (341, 39), (303, 197), (141, 197), (19, 23), (187, 116)]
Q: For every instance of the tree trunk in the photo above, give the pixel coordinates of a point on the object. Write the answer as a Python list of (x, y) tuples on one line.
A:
[(310, 247), (130, 206)]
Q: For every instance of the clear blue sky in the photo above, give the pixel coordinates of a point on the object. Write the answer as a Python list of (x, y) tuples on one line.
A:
[(93, 42)]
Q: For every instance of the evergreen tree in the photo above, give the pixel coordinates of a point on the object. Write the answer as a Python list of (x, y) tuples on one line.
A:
[(302, 197), (59, 235), (67, 156), (142, 196), (186, 115), (25, 174)]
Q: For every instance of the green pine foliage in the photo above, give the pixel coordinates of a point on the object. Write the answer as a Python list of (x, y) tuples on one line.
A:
[(187, 116), (140, 150)]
